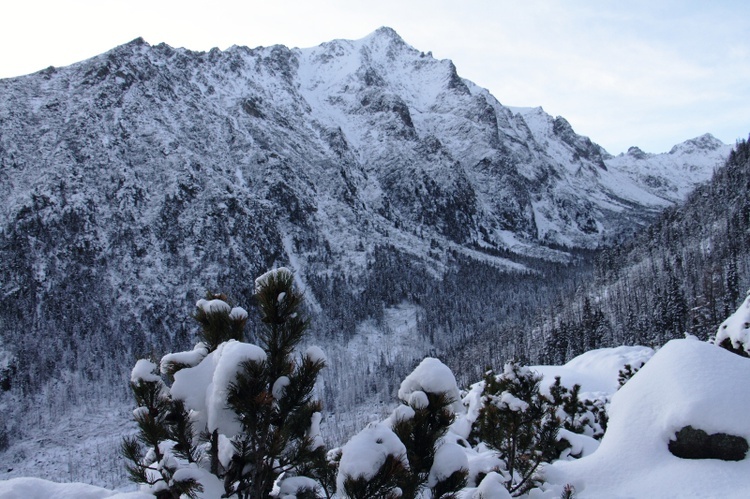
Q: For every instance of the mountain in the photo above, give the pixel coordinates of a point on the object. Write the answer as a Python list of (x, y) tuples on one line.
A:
[(682, 275), (398, 191)]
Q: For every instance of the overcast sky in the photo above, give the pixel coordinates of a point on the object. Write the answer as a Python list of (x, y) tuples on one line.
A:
[(628, 72)]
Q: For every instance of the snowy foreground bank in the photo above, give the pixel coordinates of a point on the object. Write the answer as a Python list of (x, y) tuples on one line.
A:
[(686, 383)]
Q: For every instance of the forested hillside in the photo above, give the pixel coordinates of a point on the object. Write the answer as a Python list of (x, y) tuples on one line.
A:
[(683, 274)]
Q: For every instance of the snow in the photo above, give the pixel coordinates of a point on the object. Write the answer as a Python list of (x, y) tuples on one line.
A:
[(482, 461), (205, 387), (492, 487), (143, 371), (213, 306), (449, 458), (279, 387), (262, 281), (191, 358), (687, 382), (400, 413), (184, 474), (736, 328), (596, 371), (289, 487), (507, 400), (154, 270), (315, 354), (212, 486), (580, 445), (314, 431), (37, 488), (431, 376), (418, 400), (365, 453), (238, 313)]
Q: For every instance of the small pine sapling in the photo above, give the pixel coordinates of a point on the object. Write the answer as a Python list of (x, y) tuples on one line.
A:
[(421, 432), (163, 432), (384, 483), (627, 372), (420, 461), (518, 422)]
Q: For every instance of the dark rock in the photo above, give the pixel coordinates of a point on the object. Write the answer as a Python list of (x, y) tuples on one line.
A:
[(690, 443)]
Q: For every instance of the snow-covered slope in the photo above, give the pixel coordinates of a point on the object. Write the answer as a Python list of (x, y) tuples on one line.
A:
[(672, 175)]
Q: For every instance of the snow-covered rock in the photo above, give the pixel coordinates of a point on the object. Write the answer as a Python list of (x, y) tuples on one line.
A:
[(686, 383)]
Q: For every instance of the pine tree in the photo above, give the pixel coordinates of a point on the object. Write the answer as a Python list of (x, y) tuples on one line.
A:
[(518, 422), (161, 435), (273, 399), (414, 439), (235, 413)]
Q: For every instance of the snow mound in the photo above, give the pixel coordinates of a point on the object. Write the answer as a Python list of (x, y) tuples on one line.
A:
[(290, 487), (238, 314), (449, 458), (205, 387), (431, 376), (365, 453), (36, 488), (315, 354), (686, 383), (736, 329), (190, 358), (492, 487), (213, 306), (596, 370), (143, 371)]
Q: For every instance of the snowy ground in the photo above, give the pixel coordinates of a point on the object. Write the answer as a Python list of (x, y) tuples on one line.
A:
[(686, 382), (82, 447)]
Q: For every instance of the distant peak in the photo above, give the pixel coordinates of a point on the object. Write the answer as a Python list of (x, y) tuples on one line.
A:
[(386, 35), (137, 42), (705, 142), (132, 46), (636, 152), (386, 31)]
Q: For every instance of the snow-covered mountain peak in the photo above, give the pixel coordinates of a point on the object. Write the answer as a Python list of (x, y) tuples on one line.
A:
[(387, 38), (637, 152), (705, 142)]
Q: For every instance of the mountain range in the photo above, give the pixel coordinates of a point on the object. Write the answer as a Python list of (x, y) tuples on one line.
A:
[(135, 180)]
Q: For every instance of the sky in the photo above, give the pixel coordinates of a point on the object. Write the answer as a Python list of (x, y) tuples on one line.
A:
[(624, 73)]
